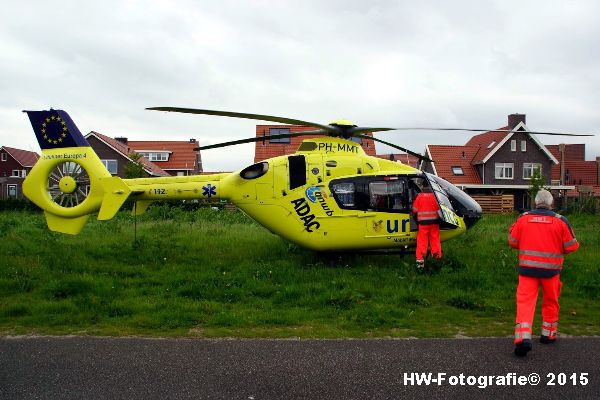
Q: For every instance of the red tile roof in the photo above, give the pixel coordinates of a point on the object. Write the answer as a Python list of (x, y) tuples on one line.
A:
[(445, 157), (484, 141), (182, 157), (578, 169), (573, 152), (580, 173), (124, 149), (404, 158), (24, 157)]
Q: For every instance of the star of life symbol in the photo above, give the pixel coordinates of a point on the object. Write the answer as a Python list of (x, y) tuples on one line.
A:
[(54, 129), (209, 190)]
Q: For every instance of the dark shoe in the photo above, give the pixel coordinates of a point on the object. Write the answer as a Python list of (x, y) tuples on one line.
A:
[(420, 265), (522, 348), (546, 340)]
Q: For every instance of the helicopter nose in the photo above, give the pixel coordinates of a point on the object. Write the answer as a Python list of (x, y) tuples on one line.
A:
[(472, 216)]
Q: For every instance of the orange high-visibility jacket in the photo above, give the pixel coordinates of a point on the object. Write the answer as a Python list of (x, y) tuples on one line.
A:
[(426, 208), (542, 237)]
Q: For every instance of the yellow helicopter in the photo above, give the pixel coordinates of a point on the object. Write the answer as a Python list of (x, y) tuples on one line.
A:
[(328, 196)]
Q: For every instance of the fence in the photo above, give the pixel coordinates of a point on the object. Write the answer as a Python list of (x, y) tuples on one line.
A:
[(502, 204)]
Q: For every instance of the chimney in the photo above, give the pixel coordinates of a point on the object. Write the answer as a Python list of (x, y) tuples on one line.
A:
[(561, 162), (122, 140), (192, 140), (514, 119)]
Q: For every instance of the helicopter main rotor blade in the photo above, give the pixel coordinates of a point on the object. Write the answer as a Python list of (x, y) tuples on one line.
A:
[(259, 117), (412, 153), (363, 129), (493, 130), (258, 139)]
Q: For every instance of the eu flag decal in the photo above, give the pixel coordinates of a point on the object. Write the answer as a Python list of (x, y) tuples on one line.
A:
[(54, 129)]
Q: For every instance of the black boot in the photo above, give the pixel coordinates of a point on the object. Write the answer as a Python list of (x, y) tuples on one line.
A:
[(522, 348), (546, 340)]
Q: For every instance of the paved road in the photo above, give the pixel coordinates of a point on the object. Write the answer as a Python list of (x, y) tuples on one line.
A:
[(137, 368)]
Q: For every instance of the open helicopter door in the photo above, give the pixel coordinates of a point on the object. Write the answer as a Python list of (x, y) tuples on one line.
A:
[(449, 218)]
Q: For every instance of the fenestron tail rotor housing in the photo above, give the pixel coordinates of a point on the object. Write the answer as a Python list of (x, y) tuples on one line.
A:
[(68, 184)]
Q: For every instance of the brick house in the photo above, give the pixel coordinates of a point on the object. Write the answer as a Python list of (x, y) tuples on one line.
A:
[(178, 158), (15, 164), (573, 169), (115, 155), (496, 162), (268, 148)]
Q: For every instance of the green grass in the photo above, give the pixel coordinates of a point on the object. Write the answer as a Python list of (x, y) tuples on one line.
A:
[(216, 273)]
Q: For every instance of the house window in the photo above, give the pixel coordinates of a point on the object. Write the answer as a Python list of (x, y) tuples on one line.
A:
[(457, 171), (504, 170), (279, 131), (513, 145), (523, 145), (111, 166), (11, 191), (19, 173), (4, 157), (529, 168), (155, 155)]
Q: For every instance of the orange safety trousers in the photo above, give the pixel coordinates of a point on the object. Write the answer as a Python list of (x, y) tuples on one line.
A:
[(428, 235), (527, 294)]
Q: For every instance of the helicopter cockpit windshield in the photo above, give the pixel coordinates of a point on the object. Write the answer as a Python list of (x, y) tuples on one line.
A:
[(461, 202)]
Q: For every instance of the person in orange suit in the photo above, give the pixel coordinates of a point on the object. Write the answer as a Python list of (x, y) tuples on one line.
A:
[(427, 213), (542, 238)]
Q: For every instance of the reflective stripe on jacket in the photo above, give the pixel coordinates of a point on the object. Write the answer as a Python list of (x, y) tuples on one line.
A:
[(426, 209), (542, 237)]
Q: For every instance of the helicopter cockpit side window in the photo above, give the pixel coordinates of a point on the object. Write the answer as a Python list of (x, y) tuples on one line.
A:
[(388, 196), (344, 193), (372, 193)]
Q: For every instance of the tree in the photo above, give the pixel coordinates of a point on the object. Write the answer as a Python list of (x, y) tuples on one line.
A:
[(135, 168), (536, 183)]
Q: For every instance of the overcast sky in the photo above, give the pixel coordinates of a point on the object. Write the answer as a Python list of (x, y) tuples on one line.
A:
[(377, 63)]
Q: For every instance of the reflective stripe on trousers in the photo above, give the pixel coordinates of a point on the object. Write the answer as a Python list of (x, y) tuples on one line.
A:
[(550, 329), (522, 331)]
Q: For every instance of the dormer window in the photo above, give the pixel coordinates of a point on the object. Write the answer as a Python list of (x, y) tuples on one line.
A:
[(155, 155), (457, 171), (279, 131)]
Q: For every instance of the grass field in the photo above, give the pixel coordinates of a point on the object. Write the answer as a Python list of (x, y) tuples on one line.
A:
[(217, 273)]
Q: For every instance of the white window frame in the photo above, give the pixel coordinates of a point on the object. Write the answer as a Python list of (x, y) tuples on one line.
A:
[(154, 155), (530, 167), (457, 170), (19, 173), (280, 131), (523, 145), (8, 187), (4, 156), (513, 145), (106, 164), (501, 169)]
